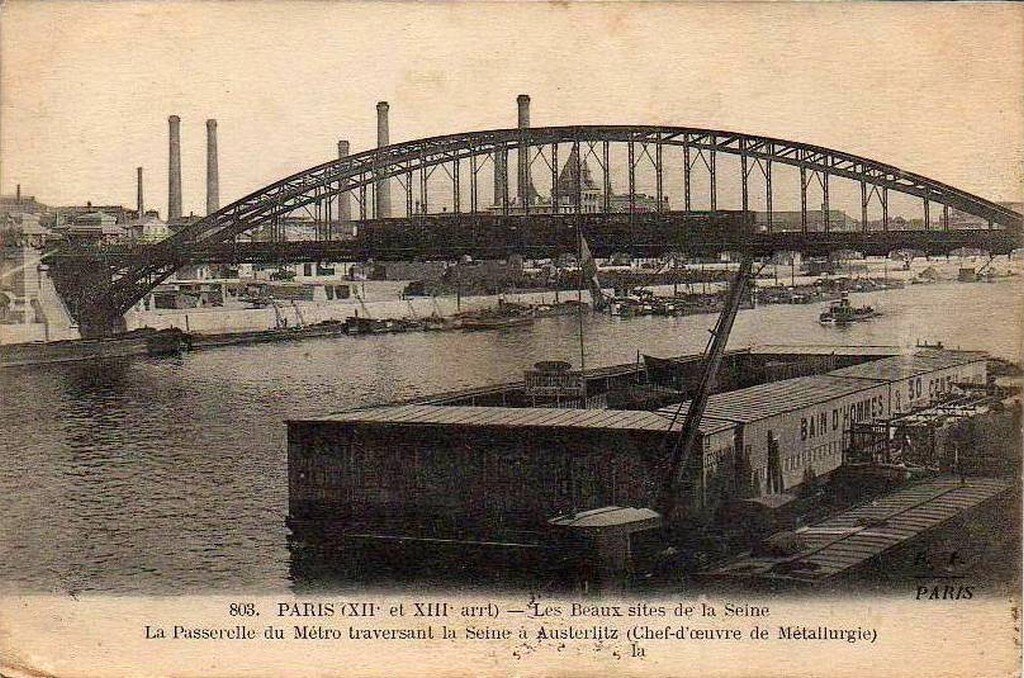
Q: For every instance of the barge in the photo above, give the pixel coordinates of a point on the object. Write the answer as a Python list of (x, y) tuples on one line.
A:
[(502, 465), (142, 342), (328, 328), (883, 537)]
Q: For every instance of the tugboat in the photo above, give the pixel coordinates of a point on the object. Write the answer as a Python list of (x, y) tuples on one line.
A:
[(842, 312)]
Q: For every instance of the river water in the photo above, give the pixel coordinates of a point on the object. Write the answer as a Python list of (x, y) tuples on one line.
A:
[(169, 476)]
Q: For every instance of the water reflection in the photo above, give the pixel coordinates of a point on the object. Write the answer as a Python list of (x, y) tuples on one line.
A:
[(169, 476)]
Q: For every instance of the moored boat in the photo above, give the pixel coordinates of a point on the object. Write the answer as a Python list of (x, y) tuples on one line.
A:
[(842, 312), (494, 323)]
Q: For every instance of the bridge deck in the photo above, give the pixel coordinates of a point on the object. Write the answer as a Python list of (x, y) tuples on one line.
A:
[(486, 236)]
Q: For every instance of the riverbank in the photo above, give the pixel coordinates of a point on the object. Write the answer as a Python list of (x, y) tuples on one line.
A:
[(201, 329), (237, 318), (383, 299)]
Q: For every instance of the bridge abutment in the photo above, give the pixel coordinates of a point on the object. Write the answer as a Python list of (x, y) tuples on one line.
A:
[(83, 283)]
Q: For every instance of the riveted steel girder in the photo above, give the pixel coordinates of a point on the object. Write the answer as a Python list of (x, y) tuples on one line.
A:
[(354, 173)]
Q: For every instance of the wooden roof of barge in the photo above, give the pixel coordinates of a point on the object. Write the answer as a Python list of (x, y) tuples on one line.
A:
[(777, 397), (596, 373), (851, 539), (823, 349), (903, 366), (519, 417)]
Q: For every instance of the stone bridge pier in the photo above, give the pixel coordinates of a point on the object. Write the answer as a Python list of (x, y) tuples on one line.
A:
[(84, 283)]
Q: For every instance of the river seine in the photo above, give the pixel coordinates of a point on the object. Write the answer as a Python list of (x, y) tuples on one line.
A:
[(162, 476)]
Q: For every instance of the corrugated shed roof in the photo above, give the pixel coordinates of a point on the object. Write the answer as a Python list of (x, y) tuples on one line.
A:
[(824, 349), (520, 417), (904, 366), (768, 400), (855, 536)]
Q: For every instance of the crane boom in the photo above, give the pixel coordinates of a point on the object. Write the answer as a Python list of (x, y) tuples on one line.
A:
[(682, 449)]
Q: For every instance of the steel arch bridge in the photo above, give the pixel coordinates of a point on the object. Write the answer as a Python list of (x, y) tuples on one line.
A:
[(101, 301)]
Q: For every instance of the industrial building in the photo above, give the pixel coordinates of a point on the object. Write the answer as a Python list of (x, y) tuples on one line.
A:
[(479, 472), (784, 432), (486, 471)]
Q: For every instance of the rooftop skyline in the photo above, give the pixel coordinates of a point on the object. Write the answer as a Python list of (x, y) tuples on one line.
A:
[(87, 88)]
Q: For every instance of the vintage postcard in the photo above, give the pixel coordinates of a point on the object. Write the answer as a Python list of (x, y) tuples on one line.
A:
[(487, 339)]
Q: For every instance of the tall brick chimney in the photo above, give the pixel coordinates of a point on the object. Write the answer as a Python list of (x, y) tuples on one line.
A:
[(523, 177), (174, 169), (139, 205), (344, 203), (383, 188), (212, 173)]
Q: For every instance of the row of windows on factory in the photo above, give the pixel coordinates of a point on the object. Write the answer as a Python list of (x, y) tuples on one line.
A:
[(367, 467)]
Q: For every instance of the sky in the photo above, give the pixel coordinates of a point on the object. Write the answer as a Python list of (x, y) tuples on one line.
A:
[(86, 88)]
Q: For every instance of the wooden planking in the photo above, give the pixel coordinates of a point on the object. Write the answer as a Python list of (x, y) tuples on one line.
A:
[(539, 417), (856, 536)]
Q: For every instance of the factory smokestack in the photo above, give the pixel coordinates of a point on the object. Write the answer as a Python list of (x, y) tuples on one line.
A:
[(523, 178), (383, 189), (212, 173), (524, 110), (174, 170), (139, 205), (344, 204)]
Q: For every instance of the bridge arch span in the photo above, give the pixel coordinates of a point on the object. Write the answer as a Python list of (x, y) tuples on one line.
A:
[(357, 174), (362, 170)]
